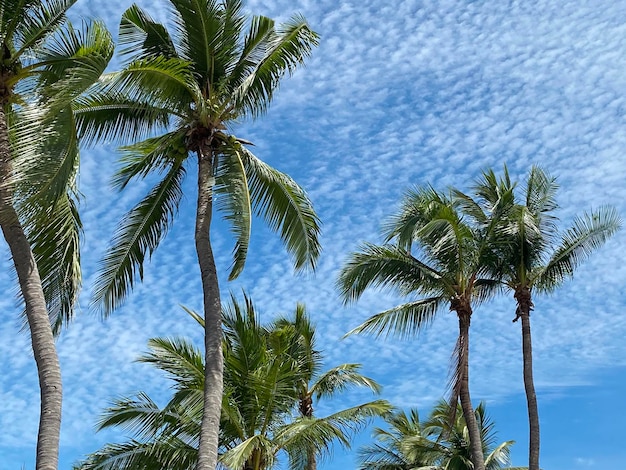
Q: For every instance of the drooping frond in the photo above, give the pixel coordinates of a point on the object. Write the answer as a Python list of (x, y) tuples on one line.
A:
[(139, 234), (286, 208), (339, 378), (231, 187)]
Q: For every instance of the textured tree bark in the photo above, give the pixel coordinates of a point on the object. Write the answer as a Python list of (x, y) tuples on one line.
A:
[(305, 405), (42, 339), (476, 449), (525, 305), (214, 361)]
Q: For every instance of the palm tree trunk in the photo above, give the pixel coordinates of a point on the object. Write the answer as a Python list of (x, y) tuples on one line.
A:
[(305, 406), (214, 361), (42, 339), (476, 448), (525, 305)]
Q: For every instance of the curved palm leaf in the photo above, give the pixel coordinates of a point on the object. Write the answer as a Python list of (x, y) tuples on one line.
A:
[(140, 233)]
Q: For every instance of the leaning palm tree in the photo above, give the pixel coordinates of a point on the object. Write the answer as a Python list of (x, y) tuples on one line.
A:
[(174, 102), (434, 444), (439, 257), (533, 255), (46, 64), (259, 419)]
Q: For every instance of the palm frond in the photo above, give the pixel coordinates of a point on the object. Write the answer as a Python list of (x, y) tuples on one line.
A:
[(43, 19), (71, 62), (339, 378), (292, 43), (587, 234), (183, 363), (231, 186), (405, 320), (143, 37), (108, 116), (387, 266), (286, 208), (139, 234)]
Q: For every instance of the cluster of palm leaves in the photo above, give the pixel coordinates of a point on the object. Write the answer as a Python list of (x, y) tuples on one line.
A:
[(434, 444), (272, 377), (457, 250)]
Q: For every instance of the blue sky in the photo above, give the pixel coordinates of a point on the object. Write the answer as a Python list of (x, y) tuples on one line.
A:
[(398, 93)]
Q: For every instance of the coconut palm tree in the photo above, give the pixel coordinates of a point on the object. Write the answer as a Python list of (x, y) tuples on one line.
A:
[(439, 257), (259, 412), (174, 102), (46, 64), (533, 255), (434, 444)]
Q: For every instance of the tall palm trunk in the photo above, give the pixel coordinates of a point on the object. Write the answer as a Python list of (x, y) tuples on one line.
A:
[(44, 349), (476, 449), (214, 361), (524, 306)]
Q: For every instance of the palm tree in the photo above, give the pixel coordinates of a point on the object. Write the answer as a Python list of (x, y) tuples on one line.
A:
[(446, 270), (190, 87), (262, 378), (435, 444), (532, 254), (46, 64)]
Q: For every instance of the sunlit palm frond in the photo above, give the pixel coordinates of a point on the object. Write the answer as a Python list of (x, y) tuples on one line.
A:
[(386, 266), (286, 49), (142, 37), (72, 61), (43, 19), (286, 208), (163, 453), (339, 378), (404, 321), (231, 187), (150, 155), (107, 116), (587, 234), (240, 454), (541, 199), (183, 363), (163, 82), (139, 234)]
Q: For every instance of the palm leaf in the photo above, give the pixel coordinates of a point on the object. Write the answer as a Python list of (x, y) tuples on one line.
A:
[(141, 36), (139, 233), (587, 234), (231, 185), (286, 49), (286, 208), (339, 378)]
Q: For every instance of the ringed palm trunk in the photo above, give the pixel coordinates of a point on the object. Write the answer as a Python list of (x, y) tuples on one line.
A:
[(476, 450), (525, 305), (213, 384), (44, 349)]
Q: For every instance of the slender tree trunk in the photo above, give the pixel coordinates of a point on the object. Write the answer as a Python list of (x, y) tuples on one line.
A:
[(44, 348), (214, 361), (476, 447), (525, 305)]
